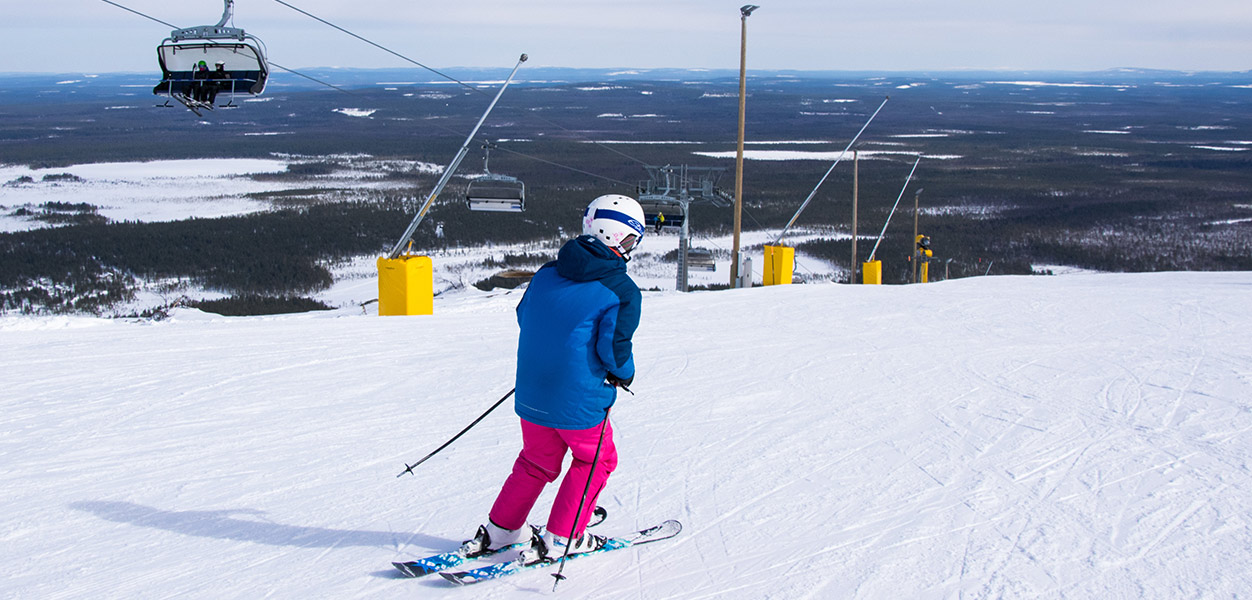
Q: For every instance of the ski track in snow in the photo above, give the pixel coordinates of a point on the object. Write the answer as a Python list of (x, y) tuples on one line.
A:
[(1076, 436)]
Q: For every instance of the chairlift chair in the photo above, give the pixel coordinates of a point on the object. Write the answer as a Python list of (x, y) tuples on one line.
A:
[(701, 259), (242, 56), (654, 205), (495, 193)]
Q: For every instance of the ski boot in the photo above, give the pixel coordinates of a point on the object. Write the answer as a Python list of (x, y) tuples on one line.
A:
[(491, 538), (549, 547)]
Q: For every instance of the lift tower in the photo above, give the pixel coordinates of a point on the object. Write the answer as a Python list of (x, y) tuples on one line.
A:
[(669, 192)]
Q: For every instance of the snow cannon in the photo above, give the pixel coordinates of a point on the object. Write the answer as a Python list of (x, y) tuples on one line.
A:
[(780, 263), (923, 258), (406, 285)]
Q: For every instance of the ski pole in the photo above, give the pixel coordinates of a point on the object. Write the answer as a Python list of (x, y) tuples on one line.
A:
[(409, 468), (569, 541)]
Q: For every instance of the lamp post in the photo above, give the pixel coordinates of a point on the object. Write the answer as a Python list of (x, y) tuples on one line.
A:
[(917, 255), (744, 12), (856, 190)]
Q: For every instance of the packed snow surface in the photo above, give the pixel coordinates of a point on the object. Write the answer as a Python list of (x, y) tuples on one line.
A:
[(1075, 436)]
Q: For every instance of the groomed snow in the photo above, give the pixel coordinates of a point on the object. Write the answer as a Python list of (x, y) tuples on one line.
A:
[(1077, 436)]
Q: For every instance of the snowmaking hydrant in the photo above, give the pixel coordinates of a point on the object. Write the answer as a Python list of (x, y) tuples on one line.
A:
[(921, 259)]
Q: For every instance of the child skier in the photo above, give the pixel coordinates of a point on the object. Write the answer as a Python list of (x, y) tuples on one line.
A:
[(577, 319)]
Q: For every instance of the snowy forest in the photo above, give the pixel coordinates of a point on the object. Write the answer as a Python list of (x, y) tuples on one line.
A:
[(1099, 171)]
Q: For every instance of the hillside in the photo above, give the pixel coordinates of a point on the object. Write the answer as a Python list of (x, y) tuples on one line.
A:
[(1073, 436), (1121, 171)]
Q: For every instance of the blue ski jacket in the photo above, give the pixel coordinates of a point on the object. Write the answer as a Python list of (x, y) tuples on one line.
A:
[(577, 319)]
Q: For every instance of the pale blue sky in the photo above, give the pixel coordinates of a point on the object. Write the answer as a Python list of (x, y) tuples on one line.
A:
[(69, 36)]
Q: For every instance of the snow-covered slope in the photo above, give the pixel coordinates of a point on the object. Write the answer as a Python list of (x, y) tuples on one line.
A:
[(1081, 436)]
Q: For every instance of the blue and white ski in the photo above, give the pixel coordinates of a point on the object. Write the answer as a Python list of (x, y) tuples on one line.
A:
[(664, 531), (454, 559), (447, 560)]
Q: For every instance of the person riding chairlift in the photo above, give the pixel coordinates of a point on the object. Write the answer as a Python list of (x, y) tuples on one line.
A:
[(200, 91), (219, 73)]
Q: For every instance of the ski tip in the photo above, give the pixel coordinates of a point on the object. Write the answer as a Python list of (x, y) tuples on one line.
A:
[(403, 568), (452, 577), (668, 527), (672, 528)]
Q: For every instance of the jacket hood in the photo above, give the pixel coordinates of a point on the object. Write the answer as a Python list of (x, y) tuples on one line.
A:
[(585, 258)]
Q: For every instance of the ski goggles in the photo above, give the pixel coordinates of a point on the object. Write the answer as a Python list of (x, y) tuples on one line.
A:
[(629, 243)]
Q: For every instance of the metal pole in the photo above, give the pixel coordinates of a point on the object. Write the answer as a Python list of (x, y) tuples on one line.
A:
[(828, 171), (856, 170), (893, 209), (569, 540), (227, 12), (744, 12), (917, 255), (684, 246), (409, 468), (447, 173)]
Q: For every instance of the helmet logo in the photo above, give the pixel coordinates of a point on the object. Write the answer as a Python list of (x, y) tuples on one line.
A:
[(621, 217)]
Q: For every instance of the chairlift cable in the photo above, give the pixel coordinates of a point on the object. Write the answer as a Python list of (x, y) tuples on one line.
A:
[(617, 152), (140, 14), (309, 78), (383, 48), (450, 78), (497, 146), (567, 167)]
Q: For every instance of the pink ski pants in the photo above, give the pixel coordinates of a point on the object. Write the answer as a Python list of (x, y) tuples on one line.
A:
[(539, 463)]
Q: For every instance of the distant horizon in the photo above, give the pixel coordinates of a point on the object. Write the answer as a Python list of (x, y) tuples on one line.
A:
[(804, 35), (643, 70)]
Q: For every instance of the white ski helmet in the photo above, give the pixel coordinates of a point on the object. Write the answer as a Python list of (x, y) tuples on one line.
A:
[(616, 220)]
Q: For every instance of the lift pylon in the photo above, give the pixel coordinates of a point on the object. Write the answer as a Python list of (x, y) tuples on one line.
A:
[(666, 198)]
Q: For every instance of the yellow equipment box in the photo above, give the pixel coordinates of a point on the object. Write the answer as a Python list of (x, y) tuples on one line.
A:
[(406, 286), (780, 262), (871, 272)]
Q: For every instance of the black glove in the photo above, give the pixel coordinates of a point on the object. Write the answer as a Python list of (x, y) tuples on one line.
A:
[(616, 381)]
